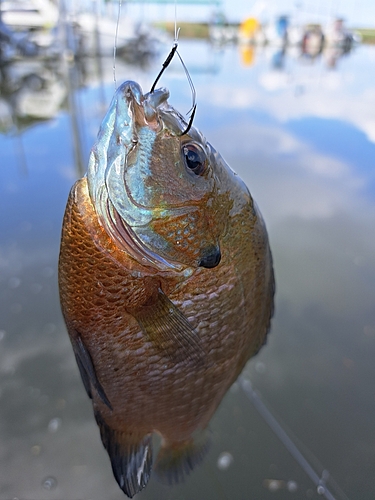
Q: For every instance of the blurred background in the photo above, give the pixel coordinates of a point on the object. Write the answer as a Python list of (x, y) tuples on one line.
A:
[(285, 91)]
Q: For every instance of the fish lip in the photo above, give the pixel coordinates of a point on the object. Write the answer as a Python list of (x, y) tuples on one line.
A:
[(151, 109), (144, 108), (131, 89)]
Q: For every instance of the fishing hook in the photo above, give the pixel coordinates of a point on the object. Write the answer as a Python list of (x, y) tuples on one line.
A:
[(190, 121), (165, 65)]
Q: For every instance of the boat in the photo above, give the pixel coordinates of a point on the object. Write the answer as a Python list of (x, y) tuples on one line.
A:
[(29, 14)]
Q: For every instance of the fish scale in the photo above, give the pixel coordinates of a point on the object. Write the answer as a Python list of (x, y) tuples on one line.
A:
[(161, 331)]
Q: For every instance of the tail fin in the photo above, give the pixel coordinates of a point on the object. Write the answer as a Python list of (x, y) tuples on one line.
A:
[(131, 457), (177, 459)]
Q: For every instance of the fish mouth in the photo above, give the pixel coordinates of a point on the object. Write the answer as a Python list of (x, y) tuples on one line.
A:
[(151, 109), (158, 113)]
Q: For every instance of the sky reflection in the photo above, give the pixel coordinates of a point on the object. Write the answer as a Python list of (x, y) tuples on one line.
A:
[(308, 159), (303, 139)]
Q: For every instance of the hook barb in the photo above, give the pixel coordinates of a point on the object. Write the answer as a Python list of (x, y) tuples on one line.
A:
[(190, 121)]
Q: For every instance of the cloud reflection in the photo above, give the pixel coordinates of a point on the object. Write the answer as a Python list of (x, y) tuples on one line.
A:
[(347, 94)]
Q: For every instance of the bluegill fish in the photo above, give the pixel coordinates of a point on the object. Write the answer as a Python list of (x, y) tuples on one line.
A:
[(166, 284)]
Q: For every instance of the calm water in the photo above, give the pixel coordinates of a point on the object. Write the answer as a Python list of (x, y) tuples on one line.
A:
[(301, 133)]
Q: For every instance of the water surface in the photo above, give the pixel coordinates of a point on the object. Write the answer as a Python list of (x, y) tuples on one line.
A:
[(301, 133)]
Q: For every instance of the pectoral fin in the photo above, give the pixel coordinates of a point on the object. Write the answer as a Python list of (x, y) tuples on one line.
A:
[(87, 370), (167, 327)]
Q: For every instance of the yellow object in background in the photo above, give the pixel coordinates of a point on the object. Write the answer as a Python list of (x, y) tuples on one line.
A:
[(247, 55), (249, 27)]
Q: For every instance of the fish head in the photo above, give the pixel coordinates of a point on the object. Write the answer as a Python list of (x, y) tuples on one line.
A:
[(157, 190)]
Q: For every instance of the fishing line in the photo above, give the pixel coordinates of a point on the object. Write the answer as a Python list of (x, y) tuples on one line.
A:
[(175, 22), (165, 65), (193, 91), (115, 43), (319, 481), (189, 79)]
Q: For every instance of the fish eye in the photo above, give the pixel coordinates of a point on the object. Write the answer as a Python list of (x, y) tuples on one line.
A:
[(195, 158)]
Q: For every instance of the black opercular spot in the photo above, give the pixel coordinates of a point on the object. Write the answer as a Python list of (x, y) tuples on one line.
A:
[(211, 258)]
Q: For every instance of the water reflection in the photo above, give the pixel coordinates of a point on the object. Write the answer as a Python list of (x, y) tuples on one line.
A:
[(282, 57), (31, 91), (303, 139)]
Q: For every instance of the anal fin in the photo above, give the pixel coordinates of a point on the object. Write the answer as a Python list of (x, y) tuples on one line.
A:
[(176, 460), (131, 458), (170, 331)]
